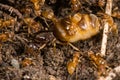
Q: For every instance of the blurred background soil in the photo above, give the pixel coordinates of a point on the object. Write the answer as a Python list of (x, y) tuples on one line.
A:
[(32, 54)]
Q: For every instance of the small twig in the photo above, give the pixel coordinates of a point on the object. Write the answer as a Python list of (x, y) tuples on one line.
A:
[(105, 31), (45, 22), (41, 47), (11, 10)]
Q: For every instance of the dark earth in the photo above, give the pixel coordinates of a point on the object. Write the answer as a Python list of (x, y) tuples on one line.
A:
[(30, 52)]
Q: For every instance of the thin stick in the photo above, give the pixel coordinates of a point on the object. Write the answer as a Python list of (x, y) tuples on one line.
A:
[(11, 10), (105, 31)]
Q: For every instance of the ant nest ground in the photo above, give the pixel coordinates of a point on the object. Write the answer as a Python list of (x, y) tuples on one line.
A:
[(58, 40)]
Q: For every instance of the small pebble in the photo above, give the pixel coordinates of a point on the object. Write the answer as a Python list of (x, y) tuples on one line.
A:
[(51, 77), (15, 63)]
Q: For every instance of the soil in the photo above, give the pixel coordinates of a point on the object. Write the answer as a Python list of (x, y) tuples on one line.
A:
[(29, 53)]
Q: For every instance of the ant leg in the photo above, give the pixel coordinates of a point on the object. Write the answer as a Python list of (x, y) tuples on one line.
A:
[(75, 48), (70, 44)]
